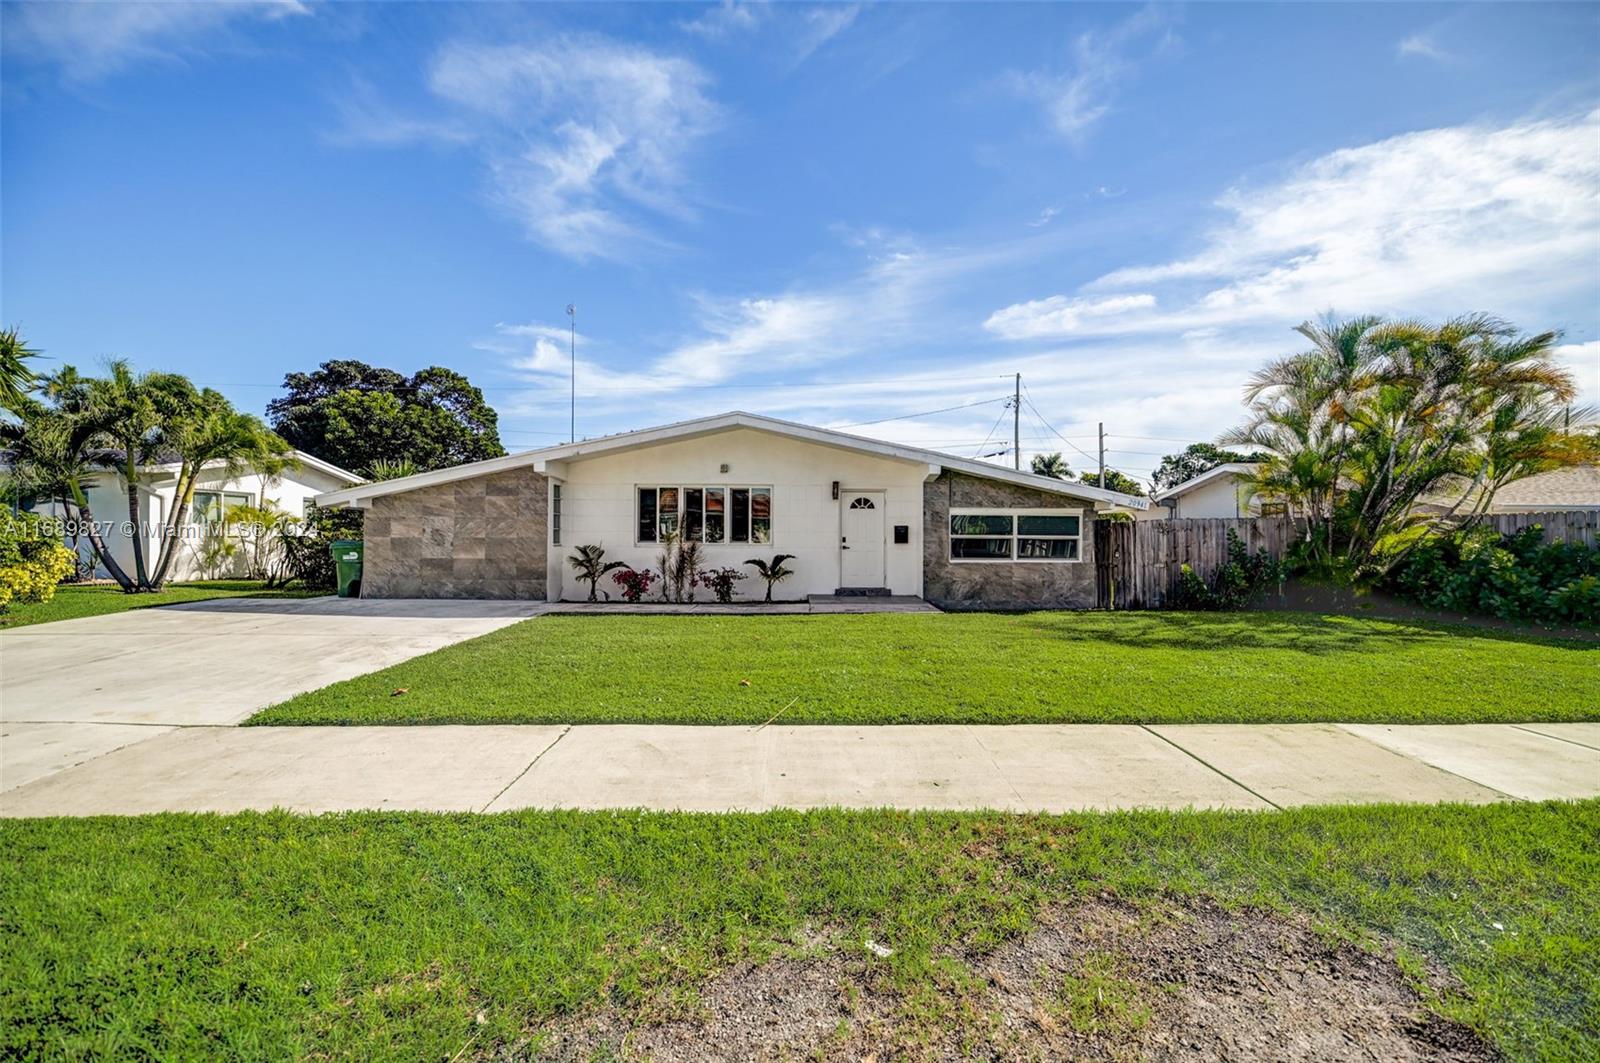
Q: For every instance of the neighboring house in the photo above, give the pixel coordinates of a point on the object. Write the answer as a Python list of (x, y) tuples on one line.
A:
[(215, 493), (1575, 488), (857, 514), (1220, 492)]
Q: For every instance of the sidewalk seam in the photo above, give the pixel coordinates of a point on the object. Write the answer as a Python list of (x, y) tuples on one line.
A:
[(1205, 763), (490, 803), (1558, 738), (1424, 761)]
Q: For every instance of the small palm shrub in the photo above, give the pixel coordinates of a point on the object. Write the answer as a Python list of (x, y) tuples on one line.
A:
[(1513, 577), (590, 564), (772, 571), (1234, 585)]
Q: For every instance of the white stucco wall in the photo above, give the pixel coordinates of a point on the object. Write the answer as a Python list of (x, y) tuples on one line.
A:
[(108, 500), (599, 500), (1224, 497)]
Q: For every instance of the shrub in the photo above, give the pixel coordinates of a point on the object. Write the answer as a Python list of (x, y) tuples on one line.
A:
[(32, 562), (720, 581), (1234, 585), (1513, 577), (635, 584)]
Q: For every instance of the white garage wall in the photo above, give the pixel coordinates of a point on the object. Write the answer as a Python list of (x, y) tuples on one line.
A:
[(599, 499)]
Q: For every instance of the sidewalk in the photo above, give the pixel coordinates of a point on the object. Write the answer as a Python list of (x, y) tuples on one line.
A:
[(1022, 768)]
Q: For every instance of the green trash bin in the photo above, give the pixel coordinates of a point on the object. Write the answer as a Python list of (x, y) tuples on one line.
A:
[(347, 554)]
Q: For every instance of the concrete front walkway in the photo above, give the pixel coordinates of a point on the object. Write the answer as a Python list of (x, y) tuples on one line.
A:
[(77, 689), (1023, 768), (817, 603)]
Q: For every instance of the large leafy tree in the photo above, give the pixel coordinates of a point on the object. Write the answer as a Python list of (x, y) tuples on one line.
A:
[(1377, 416), (363, 417), (1197, 458), (1115, 481)]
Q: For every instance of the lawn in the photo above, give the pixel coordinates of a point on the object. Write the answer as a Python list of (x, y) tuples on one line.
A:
[(74, 601), (385, 935), (972, 668)]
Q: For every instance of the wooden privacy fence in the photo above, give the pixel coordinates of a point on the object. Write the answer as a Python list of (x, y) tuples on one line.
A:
[(1137, 563), (1560, 526)]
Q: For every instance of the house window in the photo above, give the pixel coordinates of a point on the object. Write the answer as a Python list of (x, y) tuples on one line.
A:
[(863, 503), (213, 507), (555, 514), (1016, 535), (1274, 509), (705, 514)]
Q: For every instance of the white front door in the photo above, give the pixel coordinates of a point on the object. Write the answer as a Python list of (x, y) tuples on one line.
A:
[(861, 542)]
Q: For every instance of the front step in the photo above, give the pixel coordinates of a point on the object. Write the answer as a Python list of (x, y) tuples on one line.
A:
[(862, 592)]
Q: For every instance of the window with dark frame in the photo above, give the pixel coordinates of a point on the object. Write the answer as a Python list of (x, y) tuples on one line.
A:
[(705, 514), (1015, 536), (555, 514)]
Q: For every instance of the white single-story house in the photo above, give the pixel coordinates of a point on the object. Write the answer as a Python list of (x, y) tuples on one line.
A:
[(215, 493), (857, 514), (1223, 492)]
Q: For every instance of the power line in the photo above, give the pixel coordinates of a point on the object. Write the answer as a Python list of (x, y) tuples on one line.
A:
[(1052, 427), (992, 431), (925, 413)]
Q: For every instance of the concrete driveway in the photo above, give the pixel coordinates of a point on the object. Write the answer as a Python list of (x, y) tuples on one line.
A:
[(78, 689)]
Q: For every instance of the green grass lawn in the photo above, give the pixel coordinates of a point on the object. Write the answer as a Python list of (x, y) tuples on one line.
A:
[(380, 935), (972, 668), (74, 601)]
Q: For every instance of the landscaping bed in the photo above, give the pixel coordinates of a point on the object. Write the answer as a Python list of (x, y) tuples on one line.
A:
[(1408, 932), (1054, 667), (75, 600)]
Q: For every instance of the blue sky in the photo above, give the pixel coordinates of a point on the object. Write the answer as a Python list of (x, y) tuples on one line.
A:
[(836, 214)]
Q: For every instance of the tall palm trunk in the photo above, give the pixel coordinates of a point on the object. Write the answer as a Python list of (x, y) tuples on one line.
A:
[(86, 518), (171, 533), (137, 534)]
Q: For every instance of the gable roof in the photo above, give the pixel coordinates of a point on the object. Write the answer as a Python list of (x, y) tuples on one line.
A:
[(1577, 487), (1231, 468), (170, 463), (724, 422)]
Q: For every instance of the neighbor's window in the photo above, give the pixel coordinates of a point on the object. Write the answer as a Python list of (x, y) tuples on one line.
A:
[(706, 514), (1017, 535), (212, 507), (555, 514)]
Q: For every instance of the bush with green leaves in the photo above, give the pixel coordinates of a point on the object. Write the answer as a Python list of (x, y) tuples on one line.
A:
[(1514, 577), (1234, 585), (32, 560)]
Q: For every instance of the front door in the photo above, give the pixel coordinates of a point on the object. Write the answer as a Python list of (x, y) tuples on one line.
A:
[(861, 542)]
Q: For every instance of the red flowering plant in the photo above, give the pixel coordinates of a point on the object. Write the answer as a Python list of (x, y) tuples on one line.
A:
[(635, 583)]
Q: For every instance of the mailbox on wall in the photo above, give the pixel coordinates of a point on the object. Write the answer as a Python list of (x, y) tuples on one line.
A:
[(902, 533)]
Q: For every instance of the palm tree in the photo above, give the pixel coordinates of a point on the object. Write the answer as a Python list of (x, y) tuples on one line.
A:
[(16, 379), (131, 412), (53, 453), (210, 436), (386, 469), (590, 563), (1051, 465), (772, 571)]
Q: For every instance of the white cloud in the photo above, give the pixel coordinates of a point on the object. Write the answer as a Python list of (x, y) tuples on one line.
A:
[(1077, 99), (1059, 315), (1437, 222), (1583, 359), (584, 140), (821, 24), (1423, 45), (726, 19), (1044, 218), (92, 40)]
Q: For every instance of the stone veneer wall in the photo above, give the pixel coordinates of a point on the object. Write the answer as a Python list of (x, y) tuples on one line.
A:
[(999, 585), (479, 538)]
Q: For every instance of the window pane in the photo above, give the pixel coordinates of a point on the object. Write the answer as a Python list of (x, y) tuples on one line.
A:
[(667, 511), (715, 517), (760, 515), (1047, 525), (1054, 549), (206, 508), (693, 512), (983, 549), (229, 500), (980, 524), (647, 514), (740, 532), (555, 514)]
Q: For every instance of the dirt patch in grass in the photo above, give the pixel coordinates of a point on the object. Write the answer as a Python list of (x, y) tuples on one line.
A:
[(1101, 980)]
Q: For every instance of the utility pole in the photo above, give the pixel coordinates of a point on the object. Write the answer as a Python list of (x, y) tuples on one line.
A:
[(1102, 453), (572, 427), (1016, 425)]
